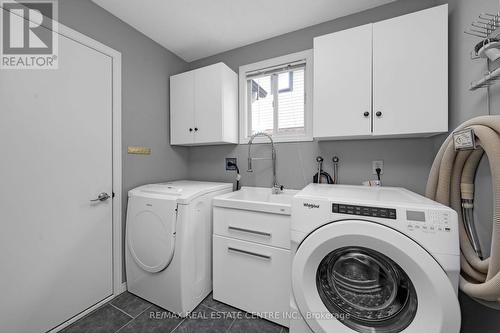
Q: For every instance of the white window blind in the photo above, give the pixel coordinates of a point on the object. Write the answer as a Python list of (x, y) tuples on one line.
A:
[(276, 99)]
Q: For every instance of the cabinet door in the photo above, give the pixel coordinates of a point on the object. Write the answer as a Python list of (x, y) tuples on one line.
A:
[(343, 83), (410, 73), (252, 277), (208, 104), (182, 109)]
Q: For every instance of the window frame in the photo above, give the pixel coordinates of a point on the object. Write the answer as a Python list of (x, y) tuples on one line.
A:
[(307, 57)]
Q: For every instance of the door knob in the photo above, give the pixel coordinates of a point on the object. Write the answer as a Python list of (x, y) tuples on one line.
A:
[(366, 114), (378, 114), (190, 130), (196, 129), (101, 197)]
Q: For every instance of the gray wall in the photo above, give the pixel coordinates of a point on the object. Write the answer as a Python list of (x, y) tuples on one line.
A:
[(407, 162), (146, 68), (463, 106)]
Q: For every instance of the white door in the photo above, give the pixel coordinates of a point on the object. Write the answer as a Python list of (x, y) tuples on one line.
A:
[(182, 108), (410, 73), (208, 104), (55, 244), (365, 277), (343, 83)]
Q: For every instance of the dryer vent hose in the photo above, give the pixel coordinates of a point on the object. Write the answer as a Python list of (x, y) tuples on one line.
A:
[(451, 182)]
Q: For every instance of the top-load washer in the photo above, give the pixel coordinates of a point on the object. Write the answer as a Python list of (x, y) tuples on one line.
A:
[(373, 259), (169, 243)]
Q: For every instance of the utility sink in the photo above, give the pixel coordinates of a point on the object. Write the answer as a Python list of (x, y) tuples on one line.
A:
[(258, 199)]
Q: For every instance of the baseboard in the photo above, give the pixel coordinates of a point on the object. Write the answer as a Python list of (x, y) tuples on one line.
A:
[(82, 314), (122, 288)]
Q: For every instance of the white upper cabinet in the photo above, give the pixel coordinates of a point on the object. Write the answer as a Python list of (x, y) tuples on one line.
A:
[(182, 108), (410, 73), (343, 83), (204, 106), (387, 79)]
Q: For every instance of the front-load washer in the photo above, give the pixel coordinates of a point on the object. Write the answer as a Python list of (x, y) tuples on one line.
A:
[(373, 259), (169, 243)]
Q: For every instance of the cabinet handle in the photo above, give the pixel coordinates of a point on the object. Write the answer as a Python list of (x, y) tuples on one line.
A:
[(253, 254), (190, 130), (366, 114), (378, 114), (255, 232)]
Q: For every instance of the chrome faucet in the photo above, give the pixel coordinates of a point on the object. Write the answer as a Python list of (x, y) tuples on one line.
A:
[(277, 188)]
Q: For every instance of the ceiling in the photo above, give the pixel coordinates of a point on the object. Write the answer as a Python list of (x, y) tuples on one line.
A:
[(194, 29)]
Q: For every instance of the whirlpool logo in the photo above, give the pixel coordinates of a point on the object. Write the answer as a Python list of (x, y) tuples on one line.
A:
[(310, 205)]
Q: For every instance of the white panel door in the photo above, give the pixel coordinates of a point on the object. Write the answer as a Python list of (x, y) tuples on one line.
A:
[(343, 83), (410, 73), (208, 104), (55, 244), (182, 108)]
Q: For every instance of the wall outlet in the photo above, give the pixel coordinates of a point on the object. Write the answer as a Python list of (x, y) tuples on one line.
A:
[(378, 164), (231, 167)]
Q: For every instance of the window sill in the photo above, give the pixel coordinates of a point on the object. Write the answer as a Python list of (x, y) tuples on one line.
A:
[(277, 139)]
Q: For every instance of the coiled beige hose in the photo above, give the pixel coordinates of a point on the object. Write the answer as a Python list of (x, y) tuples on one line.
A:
[(452, 179)]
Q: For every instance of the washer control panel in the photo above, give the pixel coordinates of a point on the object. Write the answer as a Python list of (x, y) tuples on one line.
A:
[(386, 213), (428, 221)]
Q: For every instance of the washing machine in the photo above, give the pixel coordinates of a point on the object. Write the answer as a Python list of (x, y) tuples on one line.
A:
[(169, 243), (373, 259)]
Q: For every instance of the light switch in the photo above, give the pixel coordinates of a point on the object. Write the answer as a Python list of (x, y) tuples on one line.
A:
[(139, 150)]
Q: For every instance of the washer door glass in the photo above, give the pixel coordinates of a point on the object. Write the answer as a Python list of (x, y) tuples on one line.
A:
[(366, 290)]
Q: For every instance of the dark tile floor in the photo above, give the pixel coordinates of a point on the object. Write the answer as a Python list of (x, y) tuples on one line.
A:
[(128, 313)]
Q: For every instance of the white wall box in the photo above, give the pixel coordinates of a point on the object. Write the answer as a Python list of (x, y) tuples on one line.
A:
[(204, 106), (386, 79), (251, 262)]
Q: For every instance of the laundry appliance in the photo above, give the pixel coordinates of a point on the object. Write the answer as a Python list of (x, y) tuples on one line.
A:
[(373, 259), (169, 247)]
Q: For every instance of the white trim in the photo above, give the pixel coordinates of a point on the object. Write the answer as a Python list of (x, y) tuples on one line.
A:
[(82, 314), (306, 55), (117, 145), (122, 289), (118, 285)]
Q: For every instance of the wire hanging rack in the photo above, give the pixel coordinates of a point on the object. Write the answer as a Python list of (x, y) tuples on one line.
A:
[(487, 28)]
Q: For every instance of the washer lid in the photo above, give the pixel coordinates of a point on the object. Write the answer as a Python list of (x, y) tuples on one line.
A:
[(184, 191), (151, 236), (359, 276)]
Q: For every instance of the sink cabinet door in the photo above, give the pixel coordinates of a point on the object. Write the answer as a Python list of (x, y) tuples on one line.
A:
[(252, 277)]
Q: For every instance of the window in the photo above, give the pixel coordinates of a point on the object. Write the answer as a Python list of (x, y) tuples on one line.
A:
[(274, 98)]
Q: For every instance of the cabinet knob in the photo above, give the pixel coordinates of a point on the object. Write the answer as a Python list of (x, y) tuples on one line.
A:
[(378, 114), (196, 129), (190, 130), (366, 114)]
